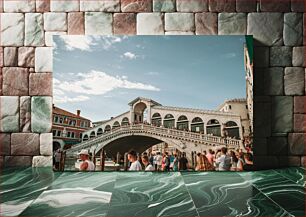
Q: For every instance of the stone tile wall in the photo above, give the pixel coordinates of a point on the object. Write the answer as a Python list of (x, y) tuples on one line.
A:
[(26, 63)]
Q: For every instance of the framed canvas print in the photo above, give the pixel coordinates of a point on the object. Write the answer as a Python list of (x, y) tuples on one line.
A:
[(153, 103)]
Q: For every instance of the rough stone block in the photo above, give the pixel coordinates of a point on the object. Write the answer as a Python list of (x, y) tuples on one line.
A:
[(280, 56), (262, 119), (272, 6), (261, 56), (100, 5), (18, 161), (289, 161), (294, 81), (179, 22), (40, 84), (49, 37), (303, 161), (258, 88), (10, 56), (179, 33), (206, 23), (191, 5), (26, 56), (299, 125), (9, 114), (1, 56), (246, 5), (232, 24), (64, 6), (278, 146), (266, 162), (76, 23), (5, 144), (293, 29), (1, 81), (41, 114), (12, 24), (34, 30), (296, 143), (42, 5), (222, 6), (25, 144), (19, 6), (98, 23), (164, 5), (55, 21), (282, 117), (42, 161), (46, 146), (299, 56), (299, 104), (25, 114), (43, 59), (298, 6), (136, 5), (274, 81), (124, 24), (15, 81), (261, 147), (150, 24), (266, 28)]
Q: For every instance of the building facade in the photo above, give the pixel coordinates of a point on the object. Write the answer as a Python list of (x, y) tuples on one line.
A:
[(68, 128)]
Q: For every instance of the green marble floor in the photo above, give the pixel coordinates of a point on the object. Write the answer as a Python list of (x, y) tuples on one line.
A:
[(42, 192)]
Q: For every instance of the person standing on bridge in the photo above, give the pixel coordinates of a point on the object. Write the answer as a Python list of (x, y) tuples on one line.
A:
[(147, 164), (135, 164), (87, 164)]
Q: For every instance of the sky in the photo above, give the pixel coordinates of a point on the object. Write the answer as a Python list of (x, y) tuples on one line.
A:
[(100, 75)]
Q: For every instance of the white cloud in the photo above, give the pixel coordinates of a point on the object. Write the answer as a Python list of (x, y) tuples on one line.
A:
[(229, 55), (129, 55), (80, 42), (94, 83), (66, 99), (152, 73), (85, 42)]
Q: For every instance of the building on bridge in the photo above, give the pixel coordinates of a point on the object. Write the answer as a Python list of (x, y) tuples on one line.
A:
[(221, 123), (67, 128)]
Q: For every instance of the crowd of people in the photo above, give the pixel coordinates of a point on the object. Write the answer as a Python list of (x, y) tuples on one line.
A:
[(219, 160)]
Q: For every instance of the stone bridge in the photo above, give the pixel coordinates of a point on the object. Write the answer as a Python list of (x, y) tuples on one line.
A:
[(140, 137)]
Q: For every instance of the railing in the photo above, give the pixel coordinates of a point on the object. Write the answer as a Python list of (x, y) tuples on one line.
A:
[(159, 131)]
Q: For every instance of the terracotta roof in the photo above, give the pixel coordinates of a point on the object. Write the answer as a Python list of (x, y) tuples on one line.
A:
[(59, 111)]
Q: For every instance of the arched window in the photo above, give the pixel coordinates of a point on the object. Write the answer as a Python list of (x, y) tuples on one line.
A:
[(99, 131), (125, 121), (169, 121), (156, 119), (116, 125), (197, 125), (231, 129), (213, 127), (92, 134), (182, 123), (107, 128), (85, 138)]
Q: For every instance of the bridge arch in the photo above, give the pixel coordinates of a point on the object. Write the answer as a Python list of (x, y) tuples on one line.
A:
[(99, 131), (92, 134), (85, 137), (140, 112), (169, 121), (125, 121), (182, 123), (231, 129), (107, 128), (138, 142), (116, 125), (197, 125), (156, 119), (213, 127)]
